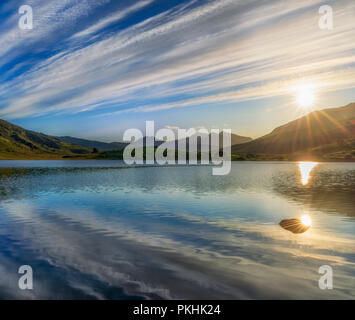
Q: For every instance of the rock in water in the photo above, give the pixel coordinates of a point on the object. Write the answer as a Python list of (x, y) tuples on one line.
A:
[(294, 225)]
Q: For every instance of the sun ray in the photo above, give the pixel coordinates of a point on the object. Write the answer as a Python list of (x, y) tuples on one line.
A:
[(344, 129)]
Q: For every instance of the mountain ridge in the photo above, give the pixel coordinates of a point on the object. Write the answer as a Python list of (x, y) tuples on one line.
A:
[(309, 134), (327, 134), (19, 143)]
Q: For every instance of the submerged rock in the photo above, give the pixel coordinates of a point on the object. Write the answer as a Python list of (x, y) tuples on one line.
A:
[(294, 225)]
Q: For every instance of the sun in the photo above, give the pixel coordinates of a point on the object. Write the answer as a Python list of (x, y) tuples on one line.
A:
[(306, 220), (305, 96)]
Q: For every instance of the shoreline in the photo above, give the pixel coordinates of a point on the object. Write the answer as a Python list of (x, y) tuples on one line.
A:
[(233, 160)]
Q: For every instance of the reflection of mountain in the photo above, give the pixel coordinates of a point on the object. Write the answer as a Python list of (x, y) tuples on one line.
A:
[(330, 191), (159, 233), (333, 201), (325, 134), (18, 143)]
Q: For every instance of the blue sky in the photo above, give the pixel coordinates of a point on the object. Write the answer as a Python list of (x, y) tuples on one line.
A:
[(95, 68)]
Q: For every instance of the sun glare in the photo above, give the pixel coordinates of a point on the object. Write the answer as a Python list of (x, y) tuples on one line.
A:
[(306, 220), (305, 169), (305, 96)]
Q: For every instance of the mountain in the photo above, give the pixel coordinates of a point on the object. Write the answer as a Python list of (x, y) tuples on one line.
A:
[(101, 146), (321, 135), (157, 143), (324, 133), (235, 140), (19, 143)]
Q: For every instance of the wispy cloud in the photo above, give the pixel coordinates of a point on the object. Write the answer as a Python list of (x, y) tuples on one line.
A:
[(196, 53), (116, 17)]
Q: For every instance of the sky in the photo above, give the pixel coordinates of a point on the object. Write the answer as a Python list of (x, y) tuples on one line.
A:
[(93, 69)]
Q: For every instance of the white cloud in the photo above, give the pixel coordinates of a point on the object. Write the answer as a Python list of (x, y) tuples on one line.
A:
[(172, 127), (223, 51), (113, 18)]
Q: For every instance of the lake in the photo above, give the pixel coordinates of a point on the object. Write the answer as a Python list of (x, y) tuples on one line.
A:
[(102, 230)]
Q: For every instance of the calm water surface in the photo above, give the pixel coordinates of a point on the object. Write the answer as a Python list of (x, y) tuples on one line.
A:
[(100, 230)]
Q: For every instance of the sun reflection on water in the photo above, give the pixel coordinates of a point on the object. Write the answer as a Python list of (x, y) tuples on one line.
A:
[(306, 220), (305, 169)]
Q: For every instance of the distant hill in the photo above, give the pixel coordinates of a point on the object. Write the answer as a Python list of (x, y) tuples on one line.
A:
[(157, 143), (328, 133), (235, 140), (19, 143), (321, 135), (101, 146)]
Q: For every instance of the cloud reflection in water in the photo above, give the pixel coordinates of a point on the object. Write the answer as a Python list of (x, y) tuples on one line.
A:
[(166, 233)]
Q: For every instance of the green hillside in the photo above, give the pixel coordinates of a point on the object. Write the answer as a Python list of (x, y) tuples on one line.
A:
[(101, 146), (324, 135), (18, 143)]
